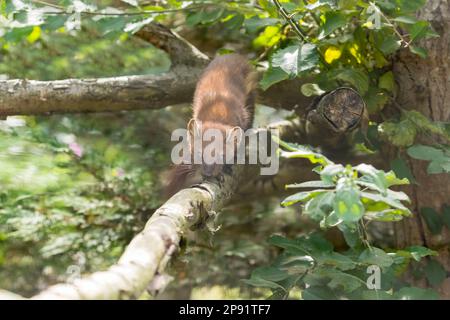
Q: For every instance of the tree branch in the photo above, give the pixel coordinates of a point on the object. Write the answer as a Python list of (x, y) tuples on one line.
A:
[(149, 252), (30, 97), (180, 51)]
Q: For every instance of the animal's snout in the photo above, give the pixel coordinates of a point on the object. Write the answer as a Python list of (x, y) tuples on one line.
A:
[(211, 170)]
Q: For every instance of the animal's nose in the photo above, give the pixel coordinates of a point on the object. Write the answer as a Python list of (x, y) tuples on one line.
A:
[(208, 170)]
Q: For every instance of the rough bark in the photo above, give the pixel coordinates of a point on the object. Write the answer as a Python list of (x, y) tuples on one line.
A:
[(424, 85), (29, 97)]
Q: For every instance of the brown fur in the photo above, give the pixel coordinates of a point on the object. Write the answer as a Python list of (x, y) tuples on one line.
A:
[(224, 99)]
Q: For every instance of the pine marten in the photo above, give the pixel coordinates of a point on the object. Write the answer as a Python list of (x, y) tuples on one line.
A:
[(224, 99)]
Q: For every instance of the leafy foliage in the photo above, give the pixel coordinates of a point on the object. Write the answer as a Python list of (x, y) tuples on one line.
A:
[(344, 197), (310, 263), (347, 194)]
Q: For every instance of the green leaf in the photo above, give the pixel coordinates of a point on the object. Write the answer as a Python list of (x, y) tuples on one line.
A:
[(296, 59), (333, 20), (420, 30), (419, 252), (435, 273), (372, 175), (439, 166), (423, 152), (329, 173), (389, 45), (267, 277), (432, 219), (387, 215), (386, 199), (421, 52), (312, 244), (376, 256), (306, 153), (301, 197), (343, 280), (297, 264), (255, 23), (386, 81), (332, 220), (318, 293), (405, 19), (17, 34), (262, 283), (283, 242), (440, 161), (272, 76), (402, 170), (204, 16), (269, 37), (347, 205), (351, 235), (357, 78), (400, 134), (233, 23), (316, 243), (413, 293), (336, 260), (320, 206), (311, 184), (392, 179), (270, 273), (55, 22), (375, 295)]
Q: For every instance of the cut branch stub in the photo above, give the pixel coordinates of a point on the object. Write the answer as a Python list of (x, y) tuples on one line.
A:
[(333, 116)]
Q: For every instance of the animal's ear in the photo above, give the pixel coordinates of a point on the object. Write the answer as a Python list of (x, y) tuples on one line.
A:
[(236, 134), (193, 128)]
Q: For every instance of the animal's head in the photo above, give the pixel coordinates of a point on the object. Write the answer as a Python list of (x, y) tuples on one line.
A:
[(212, 143)]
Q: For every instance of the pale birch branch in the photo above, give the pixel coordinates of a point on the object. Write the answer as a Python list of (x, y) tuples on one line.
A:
[(149, 252)]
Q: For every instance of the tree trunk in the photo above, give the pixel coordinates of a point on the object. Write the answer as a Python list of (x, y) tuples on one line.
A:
[(424, 85)]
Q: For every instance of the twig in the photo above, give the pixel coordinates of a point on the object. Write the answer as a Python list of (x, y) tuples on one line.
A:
[(48, 4), (97, 13), (291, 22), (312, 14), (294, 25), (402, 39)]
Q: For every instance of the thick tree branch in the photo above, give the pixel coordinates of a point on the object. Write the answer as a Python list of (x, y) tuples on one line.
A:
[(29, 97)]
